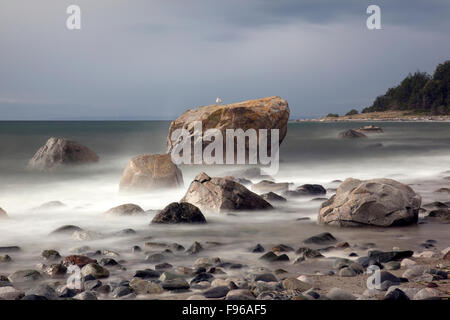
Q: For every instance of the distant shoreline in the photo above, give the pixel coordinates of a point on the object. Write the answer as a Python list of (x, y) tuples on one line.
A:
[(387, 116)]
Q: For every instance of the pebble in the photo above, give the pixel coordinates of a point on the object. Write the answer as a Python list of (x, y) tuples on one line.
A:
[(94, 270), (413, 272), (266, 277), (175, 284), (86, 295), (50, 255), (347, 272), (140, 286), (392, 265), (121, 291), (407, 263), (240, 294), (295, 284), (216, 292), (257, 248), (4, 259), (147, 273), (55, 270), (396, 295), (44, 291), (339, 294), (426, 293), (24, 276), (10, 293), (196, 247)]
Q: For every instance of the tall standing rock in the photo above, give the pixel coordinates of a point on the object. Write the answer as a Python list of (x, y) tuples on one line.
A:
[(219, 195), (151, 172), (58, 152), (266, 113), (377, 202)]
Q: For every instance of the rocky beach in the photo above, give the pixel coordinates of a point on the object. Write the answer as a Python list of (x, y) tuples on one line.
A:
[(356, 212)]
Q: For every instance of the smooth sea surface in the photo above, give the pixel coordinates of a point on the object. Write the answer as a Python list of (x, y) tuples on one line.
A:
[(411, 152)]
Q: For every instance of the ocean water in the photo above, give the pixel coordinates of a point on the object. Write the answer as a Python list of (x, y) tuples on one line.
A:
[(411, 152)]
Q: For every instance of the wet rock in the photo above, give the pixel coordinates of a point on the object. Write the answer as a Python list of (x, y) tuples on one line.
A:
[(443, 190), (239, 294), (25, 276), (379, 202), (396, 295), (266, 113), (282, 248), (125, 232), (51, 205), (370, 129), (413, 272), (442, 215), (339, 294), (175, 284), (50, 255), (351, 134), (309, 253), (9, 249), (310, 190), (435, 205), (206, 262), (147, 274), (151, 172), (163, 266), (140, 286), (222, 195), (347, 272), (182, 212), (92, 285), (295, 284), (56, 270), (10, 293), (265, 277), (44, 291), (5, 259), (135, 249), (128, 209), (202, 277), (383, 257), (216, 292), (342, 245), (108, 262), (273, 197), (258, 248), (94, 270), (65, 292), (270, 186), (196, 247), (86, 295), (121, 291), (169, 276), (407, 263), (67, 229), (321, 239), (59, 152), (155, 258), (426, 294), (392, 265), (77, 260)]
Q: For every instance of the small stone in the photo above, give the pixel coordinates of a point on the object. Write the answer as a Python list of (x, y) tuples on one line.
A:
[(121, 291), (413, 272), (156, 257), (282, 248), (196, 247), (295, 284), (67, 229), (50, 255), (175, 284), (347, 272), (94, 270), (216, 292), (86, 295), (339, 294), (147, 274), (426, 293), (25, 276), (239, 294), (266, 277), (4, 259), (321, 239), (407, 263), (202, 277), (55, 270), (392, 265), (427, 254), (10, 293), (396, 295), (163, 266), (77, 260), (342, 245), (140, 286)]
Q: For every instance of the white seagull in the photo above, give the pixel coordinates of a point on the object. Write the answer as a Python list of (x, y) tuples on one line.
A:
[(218, 100)]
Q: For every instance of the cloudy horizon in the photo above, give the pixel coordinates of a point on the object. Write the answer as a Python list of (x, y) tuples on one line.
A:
[(152, 60)]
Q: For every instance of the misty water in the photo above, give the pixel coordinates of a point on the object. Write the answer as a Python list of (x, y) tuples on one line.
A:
[(411, 152)]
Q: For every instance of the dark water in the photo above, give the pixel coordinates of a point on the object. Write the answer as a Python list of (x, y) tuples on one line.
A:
[(413, 153)]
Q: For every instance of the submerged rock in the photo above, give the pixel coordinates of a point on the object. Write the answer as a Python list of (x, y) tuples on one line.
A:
[(58, 152), (128, 209), (67, 229), (273, 197), (369, 129), (24, 276), (151, 172), (219, 195), (182, 212), (378, 202), (269, 186), (351, 134), (322, 238)]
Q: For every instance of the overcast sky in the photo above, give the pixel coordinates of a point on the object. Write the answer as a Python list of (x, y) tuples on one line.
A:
[(143, 59)]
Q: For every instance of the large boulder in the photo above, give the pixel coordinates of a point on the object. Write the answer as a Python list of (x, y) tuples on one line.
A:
[(58, 152), (150, 172), (266, 113), (180, 213), (219, 195), (377, 202)]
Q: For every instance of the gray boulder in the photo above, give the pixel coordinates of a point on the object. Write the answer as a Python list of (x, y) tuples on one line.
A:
[(222, 195), (182, 212), (378, 202)]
